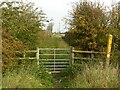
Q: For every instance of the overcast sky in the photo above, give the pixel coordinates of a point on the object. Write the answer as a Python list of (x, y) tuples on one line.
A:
[(58, 9)]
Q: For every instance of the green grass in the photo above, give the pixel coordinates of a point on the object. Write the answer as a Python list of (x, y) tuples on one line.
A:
[(76, 76), (91, 76), (28, 76), (47, 40), (21, 80)]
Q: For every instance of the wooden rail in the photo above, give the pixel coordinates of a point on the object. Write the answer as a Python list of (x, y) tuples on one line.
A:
[(90, 52), (35, 51), (71, 54), (90, 55), (51, 60)]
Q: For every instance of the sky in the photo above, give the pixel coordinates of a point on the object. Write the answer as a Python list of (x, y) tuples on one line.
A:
[(58, 9)]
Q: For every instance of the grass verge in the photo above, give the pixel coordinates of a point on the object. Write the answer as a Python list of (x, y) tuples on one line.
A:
[(28, 76), (91, 76)]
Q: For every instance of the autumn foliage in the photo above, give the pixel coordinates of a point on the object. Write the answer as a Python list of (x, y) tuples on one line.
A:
[(89, 25), (20, 26)]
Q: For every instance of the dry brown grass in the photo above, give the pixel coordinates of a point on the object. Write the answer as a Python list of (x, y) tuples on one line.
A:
[(97, 77)]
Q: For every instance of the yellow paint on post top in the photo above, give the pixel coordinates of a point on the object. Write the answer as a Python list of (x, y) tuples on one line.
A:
[(109, 45)]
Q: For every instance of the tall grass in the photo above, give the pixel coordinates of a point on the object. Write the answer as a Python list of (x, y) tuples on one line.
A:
[(21, 80), (97, 77), (28, 76), (91, 76)]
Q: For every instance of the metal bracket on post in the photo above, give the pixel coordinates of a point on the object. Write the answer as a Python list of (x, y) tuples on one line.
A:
[(109, 45)]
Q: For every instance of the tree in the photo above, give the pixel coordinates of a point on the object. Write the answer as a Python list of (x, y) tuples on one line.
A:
[(20, 26), (87, 26), (22, 21), (114, 26)]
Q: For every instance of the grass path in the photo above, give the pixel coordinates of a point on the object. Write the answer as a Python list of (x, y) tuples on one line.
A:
[(51, 41), (57, 81)]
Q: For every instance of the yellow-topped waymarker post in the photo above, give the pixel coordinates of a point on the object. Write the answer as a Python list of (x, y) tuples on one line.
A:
[(109, 45)]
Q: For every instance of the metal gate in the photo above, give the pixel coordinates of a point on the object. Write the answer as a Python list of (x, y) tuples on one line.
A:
[(54, 59)]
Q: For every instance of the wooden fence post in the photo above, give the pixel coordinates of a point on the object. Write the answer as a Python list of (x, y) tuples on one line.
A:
[(37, 56), (109, 45), (54, 59), (72, 55)]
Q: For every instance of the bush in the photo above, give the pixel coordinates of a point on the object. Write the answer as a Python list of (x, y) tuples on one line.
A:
[(23, 21)]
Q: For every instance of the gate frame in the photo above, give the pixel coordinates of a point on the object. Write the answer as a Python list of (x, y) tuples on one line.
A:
[(54, 55)]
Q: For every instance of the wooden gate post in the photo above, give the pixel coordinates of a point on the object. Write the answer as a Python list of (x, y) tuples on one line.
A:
[(71, 56), (37, 56), (109, 45), (54, 59)]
